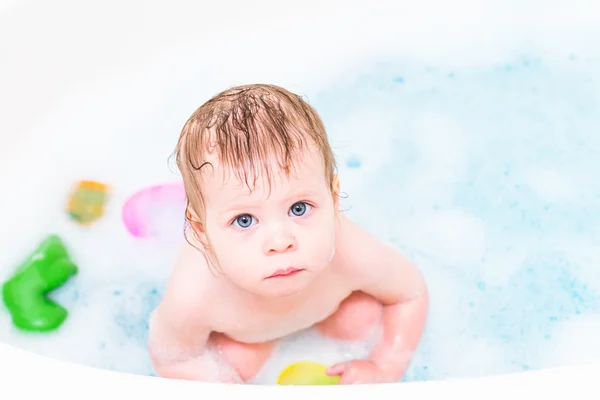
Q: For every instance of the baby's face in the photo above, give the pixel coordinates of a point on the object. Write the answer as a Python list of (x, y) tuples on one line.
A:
[(275, 239)]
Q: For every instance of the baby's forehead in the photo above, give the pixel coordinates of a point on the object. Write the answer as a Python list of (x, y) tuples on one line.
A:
[(307, 174), (251, 183)]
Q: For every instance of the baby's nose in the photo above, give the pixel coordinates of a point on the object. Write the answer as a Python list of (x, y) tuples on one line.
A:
[(280, 243)]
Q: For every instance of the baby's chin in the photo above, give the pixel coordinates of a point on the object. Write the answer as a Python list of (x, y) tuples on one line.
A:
[(280, 294), (285, 287), (282, 291)]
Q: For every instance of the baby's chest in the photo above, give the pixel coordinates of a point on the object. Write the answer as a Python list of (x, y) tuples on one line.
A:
[(255, 325)]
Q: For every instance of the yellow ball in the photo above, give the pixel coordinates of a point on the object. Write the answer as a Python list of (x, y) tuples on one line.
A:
[(306, 373)]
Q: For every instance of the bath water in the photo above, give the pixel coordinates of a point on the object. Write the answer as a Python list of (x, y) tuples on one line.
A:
[(479, 163)]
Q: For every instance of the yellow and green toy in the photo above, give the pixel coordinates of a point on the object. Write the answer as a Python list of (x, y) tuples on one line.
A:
[(24, 294), (87, 202), (306, 373)]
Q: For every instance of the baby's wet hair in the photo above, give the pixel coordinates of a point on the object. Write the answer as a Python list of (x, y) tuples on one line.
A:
[(251, 129)]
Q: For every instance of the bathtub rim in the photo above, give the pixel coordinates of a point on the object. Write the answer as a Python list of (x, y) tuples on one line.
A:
[(26, 371)]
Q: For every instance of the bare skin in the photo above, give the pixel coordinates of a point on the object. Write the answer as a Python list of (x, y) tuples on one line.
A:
[(344, 291)]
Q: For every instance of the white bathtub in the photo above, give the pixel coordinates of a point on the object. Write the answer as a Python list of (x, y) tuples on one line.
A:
[(136, 59), (29, 374)]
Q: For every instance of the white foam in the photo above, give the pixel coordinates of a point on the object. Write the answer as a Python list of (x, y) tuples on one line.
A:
[(552, 184), (452, 236), (368, 132), (86, 337), (584, 254), (309, 345), (109, 103), (572, 342), (500, 266), (442, 146)]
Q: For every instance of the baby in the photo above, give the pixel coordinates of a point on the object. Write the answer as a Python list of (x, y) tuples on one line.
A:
[(268, 253)]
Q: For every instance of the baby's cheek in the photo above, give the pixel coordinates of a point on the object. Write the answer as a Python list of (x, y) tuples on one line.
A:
[(237, 267), (321, 246), (236, 258), (241, 258)]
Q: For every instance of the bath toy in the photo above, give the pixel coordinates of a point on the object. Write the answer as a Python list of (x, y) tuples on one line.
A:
[(87, 201), (24, 294), (306, 373), (156, 210)]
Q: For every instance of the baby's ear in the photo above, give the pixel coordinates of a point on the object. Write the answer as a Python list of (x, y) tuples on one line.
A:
[(336, 191), (197, 227)]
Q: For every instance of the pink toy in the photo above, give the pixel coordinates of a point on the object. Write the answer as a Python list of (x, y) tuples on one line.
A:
[(156, 211)]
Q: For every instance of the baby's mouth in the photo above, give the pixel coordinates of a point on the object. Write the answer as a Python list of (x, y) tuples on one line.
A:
[(284, 273)]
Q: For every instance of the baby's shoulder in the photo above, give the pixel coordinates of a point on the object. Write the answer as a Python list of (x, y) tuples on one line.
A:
[(352, 240), (356, 250), (190, 286)]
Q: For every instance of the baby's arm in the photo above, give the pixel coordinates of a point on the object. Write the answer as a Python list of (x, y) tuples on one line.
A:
[(180, 328), (382, 272)]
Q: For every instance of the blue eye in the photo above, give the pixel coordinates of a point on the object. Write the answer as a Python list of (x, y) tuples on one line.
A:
[(244, 221), (299, 208)]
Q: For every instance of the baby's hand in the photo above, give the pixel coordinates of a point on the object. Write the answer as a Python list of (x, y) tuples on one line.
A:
[(359, 372)]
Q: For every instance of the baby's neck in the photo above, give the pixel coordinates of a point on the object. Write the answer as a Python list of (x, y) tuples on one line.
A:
[(281, 304), (278, 304)]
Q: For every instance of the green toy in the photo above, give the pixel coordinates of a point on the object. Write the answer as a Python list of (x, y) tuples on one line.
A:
[(24, 294)]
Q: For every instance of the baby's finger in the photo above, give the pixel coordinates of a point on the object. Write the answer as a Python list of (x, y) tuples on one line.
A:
[(336, 369), (349, 378)]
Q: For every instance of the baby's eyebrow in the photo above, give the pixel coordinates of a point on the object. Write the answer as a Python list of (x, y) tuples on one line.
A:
[(245, 201), (241, 205), (298, 196)]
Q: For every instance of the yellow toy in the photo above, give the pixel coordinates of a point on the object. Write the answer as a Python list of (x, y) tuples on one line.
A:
[(306, 373), (87, 202)]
